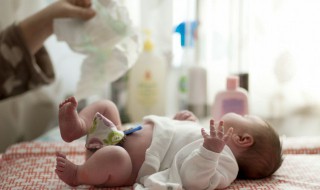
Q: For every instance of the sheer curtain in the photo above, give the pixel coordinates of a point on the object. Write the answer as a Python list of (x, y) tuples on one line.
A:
[(276, 42), (284, 53)]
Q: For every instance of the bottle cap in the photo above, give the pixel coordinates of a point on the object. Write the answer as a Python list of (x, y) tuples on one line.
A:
[(187, 39), (232, 82), (148, 44)]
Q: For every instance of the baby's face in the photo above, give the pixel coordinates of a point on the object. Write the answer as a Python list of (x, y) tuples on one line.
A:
[(239, 122)]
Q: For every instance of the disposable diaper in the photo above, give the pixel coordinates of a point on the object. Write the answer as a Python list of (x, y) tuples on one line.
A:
[(102, 133), (108, 40)]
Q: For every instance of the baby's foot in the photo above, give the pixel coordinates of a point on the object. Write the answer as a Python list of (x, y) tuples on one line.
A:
[(66, 170), (70, 124)]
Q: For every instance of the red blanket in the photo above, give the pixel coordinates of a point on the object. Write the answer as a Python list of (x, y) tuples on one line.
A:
[(31, 166)]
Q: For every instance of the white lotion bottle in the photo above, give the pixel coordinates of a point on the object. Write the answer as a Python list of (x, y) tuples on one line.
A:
[(147, 84), (234, 99)]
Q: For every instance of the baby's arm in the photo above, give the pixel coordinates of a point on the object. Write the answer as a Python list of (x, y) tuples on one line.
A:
[(185, 115), (217, 139), (200, 169)]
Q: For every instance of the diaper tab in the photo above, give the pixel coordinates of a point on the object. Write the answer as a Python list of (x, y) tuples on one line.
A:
[(132, 130), (103, 133)]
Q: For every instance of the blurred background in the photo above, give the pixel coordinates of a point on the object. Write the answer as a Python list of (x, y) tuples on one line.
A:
[(274, 46)]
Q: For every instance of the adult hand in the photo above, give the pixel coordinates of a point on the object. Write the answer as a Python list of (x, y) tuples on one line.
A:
[(39, 26), (72, 8)]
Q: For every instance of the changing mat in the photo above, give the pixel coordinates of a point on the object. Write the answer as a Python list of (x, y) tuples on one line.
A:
[(31, 165)]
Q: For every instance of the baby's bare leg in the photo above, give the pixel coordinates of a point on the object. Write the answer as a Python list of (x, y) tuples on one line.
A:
[(106, 108), (73, 125), (109, 166)]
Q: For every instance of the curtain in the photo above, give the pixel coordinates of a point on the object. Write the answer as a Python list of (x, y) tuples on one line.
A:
[(276, 42)]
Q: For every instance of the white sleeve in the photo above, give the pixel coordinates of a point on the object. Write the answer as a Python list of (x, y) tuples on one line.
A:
[(204, 169)]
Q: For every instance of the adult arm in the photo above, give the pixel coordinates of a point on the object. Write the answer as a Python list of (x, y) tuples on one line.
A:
[(24, 63), (21, 71), (39, 26)]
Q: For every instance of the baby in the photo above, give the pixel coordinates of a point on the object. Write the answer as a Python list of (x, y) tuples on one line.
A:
[(167, 151)]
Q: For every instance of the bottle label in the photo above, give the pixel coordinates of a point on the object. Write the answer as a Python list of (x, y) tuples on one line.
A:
[(183, 86), (233, 105), (147, 90), (183, 92)]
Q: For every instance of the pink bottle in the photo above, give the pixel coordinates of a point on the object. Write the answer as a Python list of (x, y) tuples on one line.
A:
[(234, 99)]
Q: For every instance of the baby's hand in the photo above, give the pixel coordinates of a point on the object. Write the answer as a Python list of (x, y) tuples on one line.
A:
[(216, 140), (185, 115)]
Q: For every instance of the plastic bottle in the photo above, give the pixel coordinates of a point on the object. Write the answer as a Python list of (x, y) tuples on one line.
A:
[(197, 85), (233, 99), (147, 83), (197, 93), (186, 31), (119, 95)]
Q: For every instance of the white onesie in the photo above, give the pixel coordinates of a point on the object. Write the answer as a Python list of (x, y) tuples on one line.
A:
[(176, 159)]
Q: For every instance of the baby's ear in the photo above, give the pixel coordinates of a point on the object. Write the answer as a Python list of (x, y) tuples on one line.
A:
[(243, 140)]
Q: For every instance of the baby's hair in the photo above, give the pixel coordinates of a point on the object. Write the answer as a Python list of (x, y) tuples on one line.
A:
[(264, 157)]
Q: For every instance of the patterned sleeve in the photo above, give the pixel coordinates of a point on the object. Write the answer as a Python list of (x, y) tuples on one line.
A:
[(20, 71)]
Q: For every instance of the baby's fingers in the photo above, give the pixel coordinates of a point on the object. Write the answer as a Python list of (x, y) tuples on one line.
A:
[(220, 130), (204, 133), (213, 131), (228, 135)]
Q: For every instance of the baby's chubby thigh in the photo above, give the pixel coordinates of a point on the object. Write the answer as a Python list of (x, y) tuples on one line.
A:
[(112, 164)]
